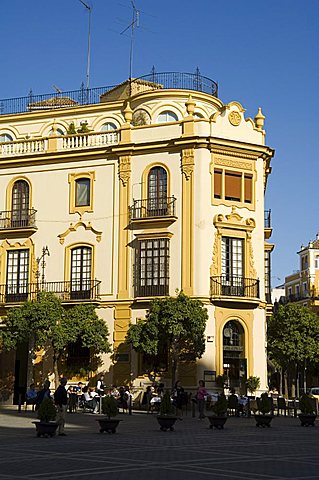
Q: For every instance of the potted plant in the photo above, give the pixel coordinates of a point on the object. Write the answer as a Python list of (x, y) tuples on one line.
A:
[(264, 407), (110, 410), (252, 384), (219, 413), (166, 417), (47, 426), (308, 415)]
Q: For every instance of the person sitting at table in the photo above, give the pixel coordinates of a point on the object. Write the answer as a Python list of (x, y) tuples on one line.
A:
[(90, 401), (31, 396)]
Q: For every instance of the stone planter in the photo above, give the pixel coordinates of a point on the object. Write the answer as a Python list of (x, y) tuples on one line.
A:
[(263, 420), (166, 422), (108, 425), (307, 420), (46, 429), (217, 422)]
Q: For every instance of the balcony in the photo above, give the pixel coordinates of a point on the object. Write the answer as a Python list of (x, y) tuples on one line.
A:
[(159, 210), (86, 291), (66, 143), (91, 96), (234, 288), (18, 220), (267, 224)]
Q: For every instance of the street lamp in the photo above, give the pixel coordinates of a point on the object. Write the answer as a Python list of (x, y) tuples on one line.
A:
[(41, 260)]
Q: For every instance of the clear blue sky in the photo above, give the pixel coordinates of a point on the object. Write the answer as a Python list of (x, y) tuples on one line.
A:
[(260, 53)]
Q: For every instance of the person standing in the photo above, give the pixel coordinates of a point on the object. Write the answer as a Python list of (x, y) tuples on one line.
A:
[(201, 396), (61, 402)]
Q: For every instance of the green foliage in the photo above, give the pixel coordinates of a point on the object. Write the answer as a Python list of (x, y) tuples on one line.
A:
[(305, 405), (264, 404), (166, 407), (293, 336), (109, 406), (219, 408), (71, 129), (175, 325), (47, 411), (50, 324), (252, 383)]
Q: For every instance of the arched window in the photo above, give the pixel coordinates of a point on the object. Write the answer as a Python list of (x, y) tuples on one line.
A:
[(234, 361), (58, 132), (157, 192), (81, 271), (166, 116), (109, 126), (20, 204), (198, 115), (5, 137)]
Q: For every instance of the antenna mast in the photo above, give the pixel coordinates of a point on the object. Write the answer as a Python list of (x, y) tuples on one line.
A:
[(135, 23), (89, 44)]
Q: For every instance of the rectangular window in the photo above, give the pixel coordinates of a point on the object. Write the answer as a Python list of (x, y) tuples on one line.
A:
[(82, 192), (218, 183), (17, 275), (297, 291), (233, 186), (232, 266), (152, 268)]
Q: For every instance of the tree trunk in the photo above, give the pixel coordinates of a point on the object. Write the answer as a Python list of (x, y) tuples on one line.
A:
[(280, 382), (293, 381), (175, 365), (30, 366), (286, 384), (56, 369)]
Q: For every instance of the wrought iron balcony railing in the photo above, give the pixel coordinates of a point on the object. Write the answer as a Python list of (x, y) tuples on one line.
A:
[(153, 207), (90, 96), (234, 286), (159, 290), (67, 291), (267, 218), (17, 219)]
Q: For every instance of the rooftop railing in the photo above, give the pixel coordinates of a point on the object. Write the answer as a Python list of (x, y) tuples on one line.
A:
[(90, 96)]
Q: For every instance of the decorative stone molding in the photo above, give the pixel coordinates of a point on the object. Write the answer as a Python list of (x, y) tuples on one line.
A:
[(229, 162), (124, 170), (73, 228), (234, 118), (187, 162)]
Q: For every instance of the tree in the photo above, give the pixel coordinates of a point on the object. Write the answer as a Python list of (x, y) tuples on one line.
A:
[(293, 338), (45, 323), (174, 326)]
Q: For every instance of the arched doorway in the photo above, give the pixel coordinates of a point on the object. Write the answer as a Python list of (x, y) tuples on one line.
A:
[(234, 361)]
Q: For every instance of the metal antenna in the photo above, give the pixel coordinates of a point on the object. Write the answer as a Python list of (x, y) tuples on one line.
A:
[(135, 23), (89, 8)]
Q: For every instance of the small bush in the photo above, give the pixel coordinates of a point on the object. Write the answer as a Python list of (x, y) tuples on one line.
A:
[(306, 405), (220, 407), (47, 411), (166, 407), (252, 383), (109, 406)]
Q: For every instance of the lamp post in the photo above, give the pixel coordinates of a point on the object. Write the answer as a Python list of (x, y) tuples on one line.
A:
[(41, 260)]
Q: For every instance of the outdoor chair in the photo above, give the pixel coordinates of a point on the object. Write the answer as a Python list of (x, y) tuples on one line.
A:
[(233, 407), (283, 406)]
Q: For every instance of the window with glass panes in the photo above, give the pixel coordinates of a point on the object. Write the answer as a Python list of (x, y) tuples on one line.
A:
[(17, 275), (234, 186), (232, 266), (81, 258), (20, 204), (82, 192), (157, 192), (152, 267)]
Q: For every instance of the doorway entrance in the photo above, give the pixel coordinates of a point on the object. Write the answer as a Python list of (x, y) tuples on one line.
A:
[(234, 361)]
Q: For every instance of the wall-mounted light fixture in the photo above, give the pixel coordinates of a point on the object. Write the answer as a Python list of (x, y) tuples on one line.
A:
[(210, 338)]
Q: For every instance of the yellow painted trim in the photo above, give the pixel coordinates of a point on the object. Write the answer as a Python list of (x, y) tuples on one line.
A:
[(123, 248), (245, 319), (9, 191), (67, 259), (146, 173), (73, 228), (73, 177), (187, 247), (7, 246)]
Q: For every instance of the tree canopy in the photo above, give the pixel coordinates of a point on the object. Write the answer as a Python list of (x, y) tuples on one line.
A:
[(174, 326), (293, 335), (45, 322)]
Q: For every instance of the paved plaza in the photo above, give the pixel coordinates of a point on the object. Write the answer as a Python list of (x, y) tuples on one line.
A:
[(139, 450)]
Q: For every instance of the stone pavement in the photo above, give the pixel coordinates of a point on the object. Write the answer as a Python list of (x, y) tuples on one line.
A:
[(139, 450)]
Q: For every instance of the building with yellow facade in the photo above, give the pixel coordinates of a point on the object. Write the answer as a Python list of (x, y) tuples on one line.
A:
[(302, 286), (119, 195)]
